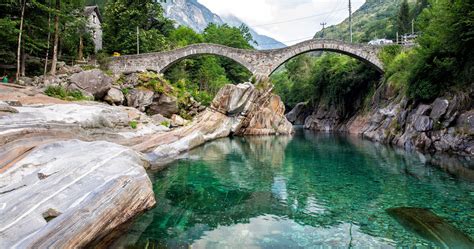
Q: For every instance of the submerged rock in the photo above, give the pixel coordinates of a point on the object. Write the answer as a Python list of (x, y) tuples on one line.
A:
[(431, 227)]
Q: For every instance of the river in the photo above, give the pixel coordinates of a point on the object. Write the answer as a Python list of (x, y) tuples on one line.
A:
[(305, 191)]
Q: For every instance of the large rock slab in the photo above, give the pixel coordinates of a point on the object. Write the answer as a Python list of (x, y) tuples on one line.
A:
[(92, 82), (70, 193), (165, 105), (237, 109), (139, 99)]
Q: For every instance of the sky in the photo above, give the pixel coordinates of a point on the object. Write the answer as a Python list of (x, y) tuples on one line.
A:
[(289, 21)]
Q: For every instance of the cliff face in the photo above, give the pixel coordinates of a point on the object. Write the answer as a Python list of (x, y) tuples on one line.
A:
[(444, 125)]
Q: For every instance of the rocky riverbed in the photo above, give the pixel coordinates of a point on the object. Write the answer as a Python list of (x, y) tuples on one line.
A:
[(72, 172), (444, 125)]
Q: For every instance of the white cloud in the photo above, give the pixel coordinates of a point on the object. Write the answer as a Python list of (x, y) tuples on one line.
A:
[(276, 18)]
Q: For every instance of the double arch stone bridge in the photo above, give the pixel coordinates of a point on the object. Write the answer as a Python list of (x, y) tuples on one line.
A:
[(261, 63)]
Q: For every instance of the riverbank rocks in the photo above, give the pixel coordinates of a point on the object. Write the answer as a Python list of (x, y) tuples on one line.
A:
[(70, 193), (445, 125), (237, 109), (114, 96), (72, 173), (92, 82), (298, 114), (139, 99), (177, 121), (165, 105)]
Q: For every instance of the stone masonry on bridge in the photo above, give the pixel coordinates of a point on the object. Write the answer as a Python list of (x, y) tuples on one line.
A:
[(261, 63)]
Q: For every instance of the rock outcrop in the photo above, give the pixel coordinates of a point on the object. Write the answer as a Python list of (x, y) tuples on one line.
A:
[(298, 114), (92, 83), (70, 193), (71, 173), (165, 105), (237, 109), (139, 99), (445, 125)]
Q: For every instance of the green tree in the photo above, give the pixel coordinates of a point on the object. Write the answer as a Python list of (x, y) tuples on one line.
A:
[(184, 36), (403, 18), (445, 58), (122, 17)]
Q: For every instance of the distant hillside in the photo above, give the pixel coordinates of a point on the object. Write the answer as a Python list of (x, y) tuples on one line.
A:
[(374, 19)]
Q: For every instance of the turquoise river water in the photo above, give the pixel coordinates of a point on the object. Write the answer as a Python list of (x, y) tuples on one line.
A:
[(311, 190)]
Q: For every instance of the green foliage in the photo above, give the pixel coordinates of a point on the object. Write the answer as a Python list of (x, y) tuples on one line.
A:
[(204, 75), (103, 59), (184, 36), (404, 18), (445, 58), (38, 13), (122, 17), (397, 71), (329, 79), (133, 124), (125, 91), (165, 124), (61, 93), (388, 53)]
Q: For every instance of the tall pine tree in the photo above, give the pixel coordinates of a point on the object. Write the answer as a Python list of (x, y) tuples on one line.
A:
[(403, 18)]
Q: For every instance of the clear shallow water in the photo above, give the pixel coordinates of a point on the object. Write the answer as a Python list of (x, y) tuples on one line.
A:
[(306, 191)]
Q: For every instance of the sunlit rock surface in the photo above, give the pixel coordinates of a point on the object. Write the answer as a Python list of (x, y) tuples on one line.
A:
[(66, 194), (237, 109), (72, 172)]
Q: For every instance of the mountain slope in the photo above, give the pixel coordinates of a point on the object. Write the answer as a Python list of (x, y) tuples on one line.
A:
[(197, 16), (374, 19)]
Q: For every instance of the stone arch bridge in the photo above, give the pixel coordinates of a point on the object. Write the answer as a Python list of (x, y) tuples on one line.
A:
[(261, 63)]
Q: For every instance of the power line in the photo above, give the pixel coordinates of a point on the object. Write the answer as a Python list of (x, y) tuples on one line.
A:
[(300, 39), (297, 19)]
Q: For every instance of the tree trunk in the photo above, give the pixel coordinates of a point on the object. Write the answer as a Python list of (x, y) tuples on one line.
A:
[(18, 52), (23, 62), (81, 48), (54, 61), (49, 39)]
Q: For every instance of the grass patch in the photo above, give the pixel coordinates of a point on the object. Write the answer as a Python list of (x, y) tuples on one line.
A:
[(165, 123), (88, 67), (133, 124), (64, 94)]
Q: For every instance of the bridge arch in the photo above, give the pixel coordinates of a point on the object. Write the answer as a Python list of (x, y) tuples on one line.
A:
[(161, 61), (364, 53), (261, 63)]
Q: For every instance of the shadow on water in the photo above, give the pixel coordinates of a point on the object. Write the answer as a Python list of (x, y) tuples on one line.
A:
[(294, 192)]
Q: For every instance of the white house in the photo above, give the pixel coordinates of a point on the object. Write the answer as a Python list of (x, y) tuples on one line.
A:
[(94, 20)]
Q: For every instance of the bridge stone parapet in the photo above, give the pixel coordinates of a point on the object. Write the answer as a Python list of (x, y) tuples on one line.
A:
[(259, 62)]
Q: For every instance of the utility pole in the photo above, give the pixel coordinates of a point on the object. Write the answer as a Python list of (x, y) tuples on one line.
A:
[(413, 26), (138, 41), (322, 31), (350, 19)]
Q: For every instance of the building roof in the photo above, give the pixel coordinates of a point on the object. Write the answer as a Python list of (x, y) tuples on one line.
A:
[(89, 9)]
